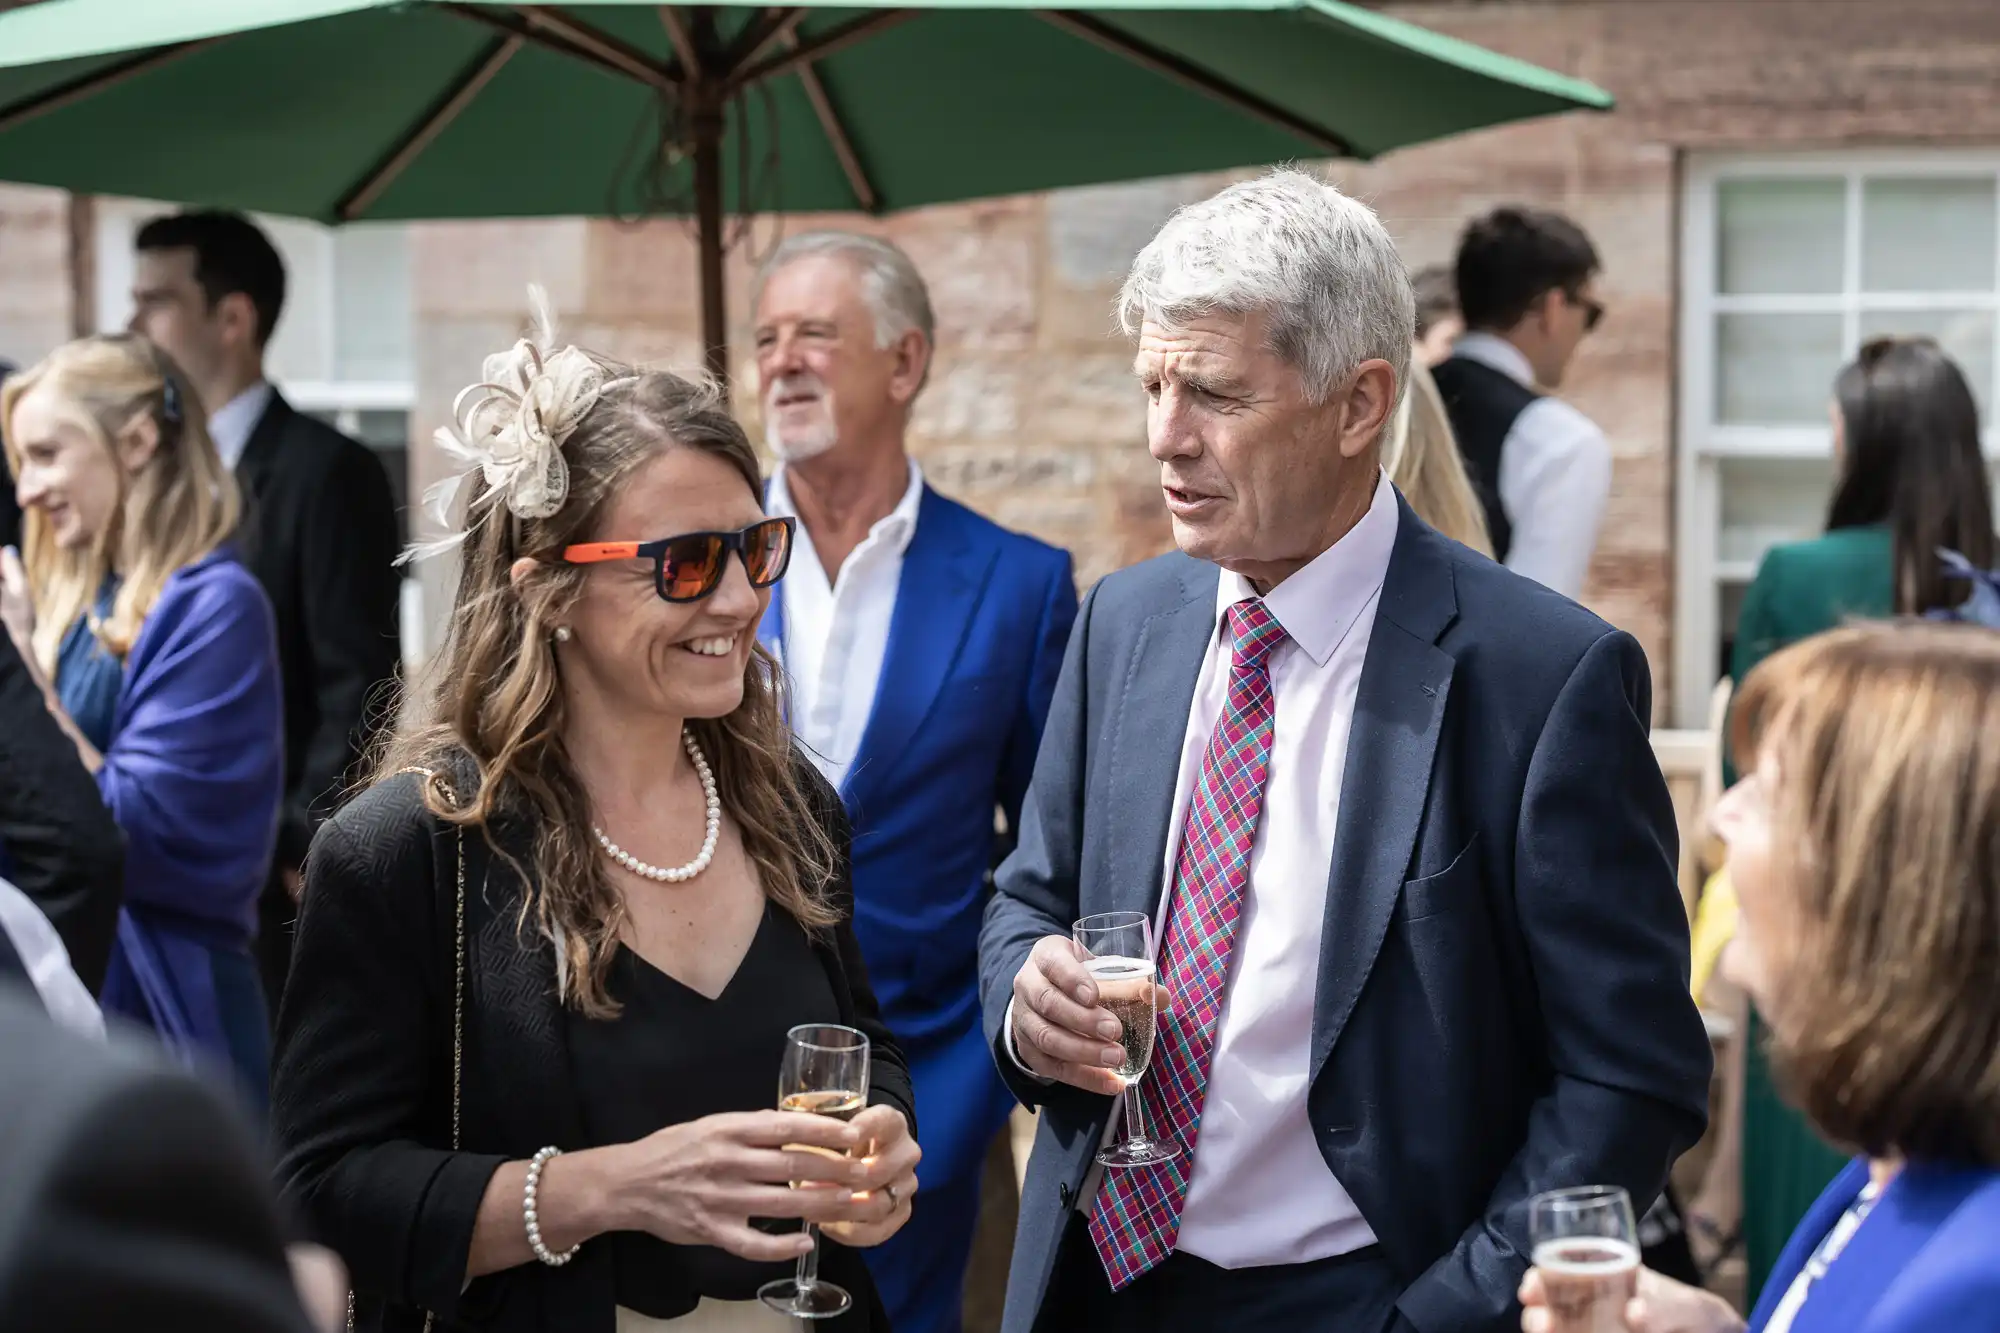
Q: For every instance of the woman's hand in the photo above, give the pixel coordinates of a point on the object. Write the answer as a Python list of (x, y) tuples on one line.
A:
[(701, 1182), (17, 608), (887, 1184), (1660, 1305)]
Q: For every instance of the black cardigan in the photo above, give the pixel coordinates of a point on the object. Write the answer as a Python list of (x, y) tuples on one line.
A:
[(361, 1072)]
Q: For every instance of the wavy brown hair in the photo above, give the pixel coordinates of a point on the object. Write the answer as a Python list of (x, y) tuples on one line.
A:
[(1885, 743), (498, 704)]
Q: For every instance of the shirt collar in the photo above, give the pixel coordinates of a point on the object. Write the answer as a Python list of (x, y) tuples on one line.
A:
[(231, 424), (1321, 603), (894, 530), (1496, 353)]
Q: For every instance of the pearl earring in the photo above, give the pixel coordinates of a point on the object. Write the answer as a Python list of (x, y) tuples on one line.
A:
[(562, 634)]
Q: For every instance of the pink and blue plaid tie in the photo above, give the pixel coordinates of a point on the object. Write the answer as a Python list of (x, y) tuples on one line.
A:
[(1137, 1214)]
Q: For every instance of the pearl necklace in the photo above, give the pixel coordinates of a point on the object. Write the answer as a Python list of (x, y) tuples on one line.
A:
[(676, 874)]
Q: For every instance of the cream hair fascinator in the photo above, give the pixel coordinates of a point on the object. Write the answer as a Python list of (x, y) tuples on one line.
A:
[(510, 428)]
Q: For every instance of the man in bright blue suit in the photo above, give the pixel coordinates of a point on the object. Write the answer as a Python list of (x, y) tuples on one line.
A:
[(920, 644)]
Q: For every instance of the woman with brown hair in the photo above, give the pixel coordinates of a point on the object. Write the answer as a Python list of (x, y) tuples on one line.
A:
[(547, 963), (1863, 847)]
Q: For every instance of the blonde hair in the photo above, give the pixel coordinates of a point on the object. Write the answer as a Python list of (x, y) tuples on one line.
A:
[(1884, 743), (498, 699), (174, 511), (1421, 458)]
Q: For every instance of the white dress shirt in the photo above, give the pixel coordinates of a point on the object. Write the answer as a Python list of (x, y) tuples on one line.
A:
[(1555, 476), (231, 424), (837, 630), (1259, 1191)]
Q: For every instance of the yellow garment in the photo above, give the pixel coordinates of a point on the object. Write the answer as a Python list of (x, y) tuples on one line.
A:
[(1714, 927)]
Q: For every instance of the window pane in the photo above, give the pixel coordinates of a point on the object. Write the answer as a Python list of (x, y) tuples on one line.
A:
[(372, 325), (1927, 235), (1775, 370), (1966, 334), (1782, 235)]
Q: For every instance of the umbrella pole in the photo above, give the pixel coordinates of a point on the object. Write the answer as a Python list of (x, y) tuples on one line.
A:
[(709, 240)]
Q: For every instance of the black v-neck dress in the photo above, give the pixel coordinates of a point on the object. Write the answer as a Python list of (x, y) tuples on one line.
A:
[(674, 1055)]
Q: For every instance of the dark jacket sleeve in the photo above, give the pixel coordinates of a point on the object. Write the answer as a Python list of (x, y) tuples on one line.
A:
[(1051, 638), (66, 851), (349, 596), (1607, 939), (888, 1072), (146, 1208), (361, 1069), (1036, 889)]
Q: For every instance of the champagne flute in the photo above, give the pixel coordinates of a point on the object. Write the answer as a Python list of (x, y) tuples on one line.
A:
[(1117, 950), (825, 1072), (1586, 1246)]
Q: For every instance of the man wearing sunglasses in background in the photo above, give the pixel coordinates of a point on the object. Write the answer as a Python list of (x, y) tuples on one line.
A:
[(1542, 468), (921, 645)]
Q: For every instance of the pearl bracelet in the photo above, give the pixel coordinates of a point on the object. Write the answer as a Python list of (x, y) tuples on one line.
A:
[(533, 1220)]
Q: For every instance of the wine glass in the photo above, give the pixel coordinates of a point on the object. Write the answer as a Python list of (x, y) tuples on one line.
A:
[(1117, 950), (1586, 1247), (825, 1072)]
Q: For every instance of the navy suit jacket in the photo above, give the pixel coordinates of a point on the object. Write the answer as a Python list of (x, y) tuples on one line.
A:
[(975, 642), (1502, 1003), (1926, 1260)]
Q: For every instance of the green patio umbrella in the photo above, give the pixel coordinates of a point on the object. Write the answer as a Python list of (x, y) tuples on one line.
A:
[(342, 110)]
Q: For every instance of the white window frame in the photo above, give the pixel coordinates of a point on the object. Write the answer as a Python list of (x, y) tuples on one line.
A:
[(1703, 443)]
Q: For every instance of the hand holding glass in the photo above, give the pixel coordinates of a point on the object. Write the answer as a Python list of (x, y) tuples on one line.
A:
[(825, 1072), (1117, 951), (1586, 1247)]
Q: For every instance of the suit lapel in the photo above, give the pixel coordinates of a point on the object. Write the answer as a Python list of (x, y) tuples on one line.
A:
[(1152, 723), (1902, 1222), (260, 452), (1398, 710), (943, 576)]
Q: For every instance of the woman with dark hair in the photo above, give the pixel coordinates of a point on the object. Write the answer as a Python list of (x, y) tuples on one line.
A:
[(546, 965), (1911, 481)]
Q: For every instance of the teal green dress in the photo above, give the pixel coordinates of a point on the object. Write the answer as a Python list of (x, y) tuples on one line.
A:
[(1801, 589)]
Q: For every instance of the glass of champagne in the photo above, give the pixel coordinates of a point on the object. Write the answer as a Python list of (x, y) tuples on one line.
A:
[(825, 1072), (1117, 951), (1586, 1246)]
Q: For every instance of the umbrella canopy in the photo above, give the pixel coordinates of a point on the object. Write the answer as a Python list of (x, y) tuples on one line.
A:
[(341, 110)]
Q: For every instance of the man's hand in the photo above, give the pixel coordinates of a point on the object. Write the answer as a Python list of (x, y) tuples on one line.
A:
[(1060, 1031)]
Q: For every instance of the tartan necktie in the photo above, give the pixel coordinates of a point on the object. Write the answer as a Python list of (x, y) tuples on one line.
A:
[(1137, 1213)]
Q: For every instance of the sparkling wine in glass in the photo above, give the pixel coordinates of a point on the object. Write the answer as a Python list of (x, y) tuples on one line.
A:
[(1117, 951), (1586, 1246), (825, 1072)]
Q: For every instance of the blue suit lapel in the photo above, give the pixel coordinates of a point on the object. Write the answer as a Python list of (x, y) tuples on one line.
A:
[(1904, 1219), (944, 574), (1398, 710), (1146, 748), (1819, 1220)]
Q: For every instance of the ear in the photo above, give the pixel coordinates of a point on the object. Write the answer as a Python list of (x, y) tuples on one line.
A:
[(522, 570), (138, 442), (236, 315), (1370, 402), (913, 357)]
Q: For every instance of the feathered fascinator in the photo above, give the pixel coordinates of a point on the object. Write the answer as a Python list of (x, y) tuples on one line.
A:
[(510, 428)]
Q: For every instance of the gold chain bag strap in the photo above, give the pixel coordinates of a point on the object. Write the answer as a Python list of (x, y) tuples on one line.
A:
[(457, 1009)]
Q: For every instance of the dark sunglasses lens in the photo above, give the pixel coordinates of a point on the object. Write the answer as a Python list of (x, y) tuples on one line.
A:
[(1593, 315), (691, 568), (767, 550)]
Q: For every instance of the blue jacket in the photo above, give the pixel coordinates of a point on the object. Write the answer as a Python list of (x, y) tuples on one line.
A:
[(1926, 1260), (981, 619)]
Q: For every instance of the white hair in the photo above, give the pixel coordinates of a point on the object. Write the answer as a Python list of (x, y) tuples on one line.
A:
[(1318, 265), (890, 284)]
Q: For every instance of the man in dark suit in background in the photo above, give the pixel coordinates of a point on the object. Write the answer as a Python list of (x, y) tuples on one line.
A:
[(1397, 814), (321, 532), (10, 508)]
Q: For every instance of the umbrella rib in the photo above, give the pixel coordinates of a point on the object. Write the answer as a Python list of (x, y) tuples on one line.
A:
[(97, 81), (1170, 66), (600, 44), (758, 41), (683, 40), (436, 119), (836, 137), (651, 75), (820, 47)]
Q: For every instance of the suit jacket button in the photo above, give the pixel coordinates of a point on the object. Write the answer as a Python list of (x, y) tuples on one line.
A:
[(1062, 1193)]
